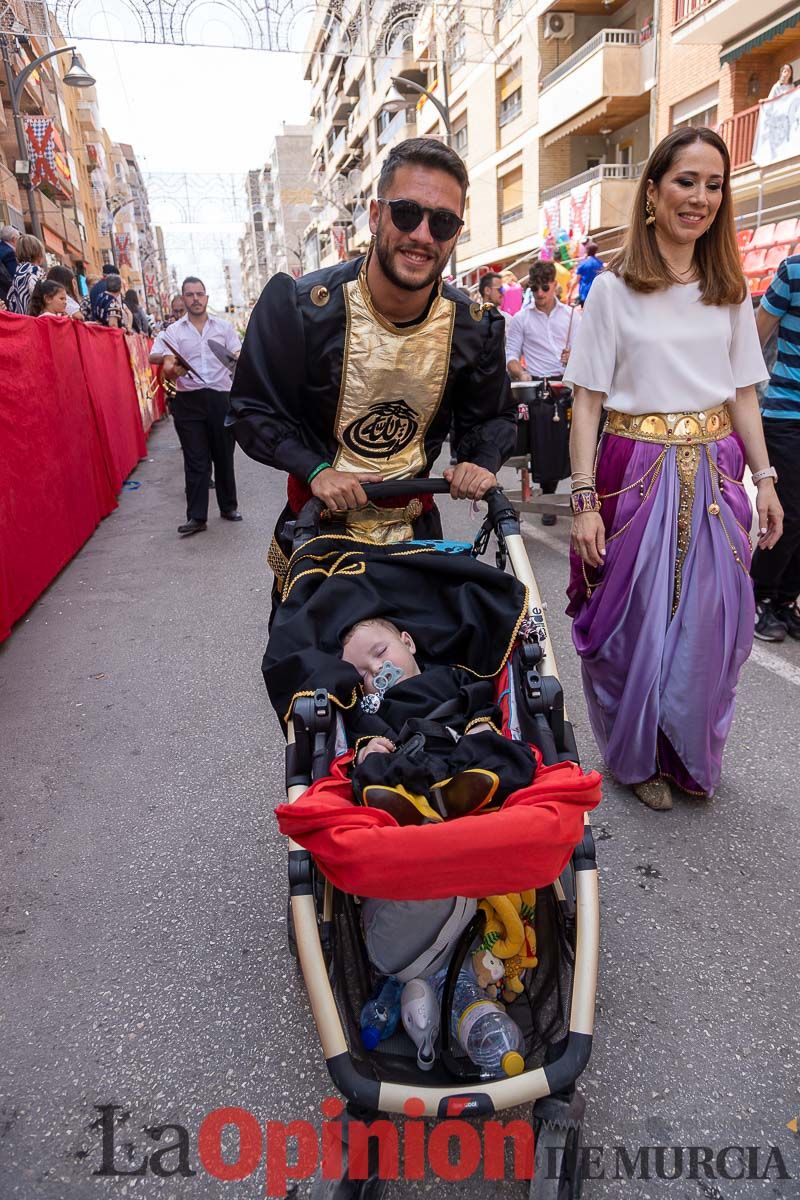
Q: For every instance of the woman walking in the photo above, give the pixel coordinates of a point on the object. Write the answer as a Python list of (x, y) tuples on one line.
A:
[(659, 589)]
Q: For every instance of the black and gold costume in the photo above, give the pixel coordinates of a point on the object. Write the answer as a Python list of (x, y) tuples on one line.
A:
[(323, 377)]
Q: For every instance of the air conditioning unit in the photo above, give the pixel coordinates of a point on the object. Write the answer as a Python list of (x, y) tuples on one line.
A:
[(559, 26)]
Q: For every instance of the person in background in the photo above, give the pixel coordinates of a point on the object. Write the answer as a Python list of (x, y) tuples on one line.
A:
[(587, 271), (776, 573), (8, 257), (97, 289), (30, 269), (512, 294), (108, 306), (177, 309), (200, 404), (491, 291), (784, 83), (66, 278), (48, 299), (139, 322)]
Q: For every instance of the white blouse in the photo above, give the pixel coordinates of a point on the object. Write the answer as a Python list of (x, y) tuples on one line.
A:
[(663, 351)]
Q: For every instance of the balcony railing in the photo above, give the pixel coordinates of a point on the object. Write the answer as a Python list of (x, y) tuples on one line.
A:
[(403, 120), (739, 133), (689, 8), (605, 37), (512, 214), (593, 175)]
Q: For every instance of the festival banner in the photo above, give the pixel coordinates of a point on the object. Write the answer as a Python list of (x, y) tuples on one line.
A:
[(48, 162), (778, 130), (123, 243)]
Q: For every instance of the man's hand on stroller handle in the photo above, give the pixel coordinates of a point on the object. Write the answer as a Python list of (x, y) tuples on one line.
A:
[(340, 490), (468, 481)]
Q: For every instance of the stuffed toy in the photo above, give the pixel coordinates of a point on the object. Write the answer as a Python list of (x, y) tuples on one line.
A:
[(511, 937), (489, 972)]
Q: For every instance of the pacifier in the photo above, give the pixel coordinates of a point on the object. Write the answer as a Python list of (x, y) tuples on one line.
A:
[(386, 676)]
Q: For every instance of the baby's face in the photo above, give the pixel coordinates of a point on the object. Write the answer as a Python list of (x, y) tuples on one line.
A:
[(373, 645)]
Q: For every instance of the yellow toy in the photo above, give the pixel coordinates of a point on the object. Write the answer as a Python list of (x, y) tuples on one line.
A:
[(510, 936)]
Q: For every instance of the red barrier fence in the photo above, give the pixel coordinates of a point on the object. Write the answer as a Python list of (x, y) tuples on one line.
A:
[(72, 428)]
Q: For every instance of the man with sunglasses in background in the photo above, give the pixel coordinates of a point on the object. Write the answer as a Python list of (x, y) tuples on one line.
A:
[(352, 374), (541, 334)]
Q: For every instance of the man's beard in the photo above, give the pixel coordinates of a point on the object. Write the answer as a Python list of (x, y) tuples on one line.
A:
[(384, 254)]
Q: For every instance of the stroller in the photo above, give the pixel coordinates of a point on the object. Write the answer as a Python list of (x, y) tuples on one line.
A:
[(556, 1010)]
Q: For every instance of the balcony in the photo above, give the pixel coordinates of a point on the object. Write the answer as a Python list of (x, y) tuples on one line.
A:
[(337, 150), (402, 125), (603, 194), (764, 135), (10, 199), (341, 106), (361, 230), (55, 221), (604, 84), (720, 21)]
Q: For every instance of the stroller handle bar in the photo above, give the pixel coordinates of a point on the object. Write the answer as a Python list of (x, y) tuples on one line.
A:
[(502, 513)]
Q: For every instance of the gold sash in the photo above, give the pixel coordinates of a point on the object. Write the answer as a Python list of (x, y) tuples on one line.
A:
[(688, 428), (392, 385)]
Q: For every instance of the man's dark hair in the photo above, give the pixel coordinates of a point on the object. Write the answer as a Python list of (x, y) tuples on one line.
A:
[(110, 269), (542, 274), (423, 152), (486, 281), (591, 249), (113, 284), (192, 279)]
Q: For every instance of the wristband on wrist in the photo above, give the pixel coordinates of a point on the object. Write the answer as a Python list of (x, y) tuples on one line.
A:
[(767, 473), (584, 502), (323, 466)]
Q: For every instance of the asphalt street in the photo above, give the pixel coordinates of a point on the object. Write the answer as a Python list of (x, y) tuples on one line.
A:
[(144, 961)]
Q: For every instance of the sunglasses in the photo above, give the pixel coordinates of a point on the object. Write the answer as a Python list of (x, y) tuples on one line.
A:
[(541, 287), (407, 216)]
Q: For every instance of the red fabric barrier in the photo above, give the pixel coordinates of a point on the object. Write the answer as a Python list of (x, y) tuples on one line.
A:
[(107, 369), (70, 433)]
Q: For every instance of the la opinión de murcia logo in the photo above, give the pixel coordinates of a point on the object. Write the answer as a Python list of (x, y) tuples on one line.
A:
[(452, 1149)]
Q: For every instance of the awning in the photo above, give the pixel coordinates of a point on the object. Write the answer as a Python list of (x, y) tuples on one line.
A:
[(588, 114), (758, 39)]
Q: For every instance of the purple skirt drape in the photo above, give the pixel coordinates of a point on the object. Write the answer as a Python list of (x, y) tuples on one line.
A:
[(659, 685)]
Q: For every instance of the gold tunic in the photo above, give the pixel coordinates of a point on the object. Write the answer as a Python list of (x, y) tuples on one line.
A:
[(392, 384)]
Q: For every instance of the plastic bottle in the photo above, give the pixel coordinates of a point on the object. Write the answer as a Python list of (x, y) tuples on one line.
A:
[(483, 1029), (380, 1016)]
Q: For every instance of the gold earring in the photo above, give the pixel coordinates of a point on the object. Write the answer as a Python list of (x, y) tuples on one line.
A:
[(650, 209)]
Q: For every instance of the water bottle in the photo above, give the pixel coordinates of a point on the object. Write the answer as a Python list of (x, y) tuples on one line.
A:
[(483, 1029), (380, 1016)]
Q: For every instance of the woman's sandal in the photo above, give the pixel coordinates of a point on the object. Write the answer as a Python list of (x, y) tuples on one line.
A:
[(655, 793)]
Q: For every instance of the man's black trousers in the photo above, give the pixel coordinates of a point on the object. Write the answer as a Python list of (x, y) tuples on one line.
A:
[(200, 425), (776, 572)]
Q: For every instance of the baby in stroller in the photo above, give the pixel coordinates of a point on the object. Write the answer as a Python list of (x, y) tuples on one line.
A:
[(428, 748), (410, 732)]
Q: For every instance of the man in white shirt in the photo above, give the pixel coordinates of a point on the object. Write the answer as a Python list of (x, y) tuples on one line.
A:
[(201, 403), (542, 334)]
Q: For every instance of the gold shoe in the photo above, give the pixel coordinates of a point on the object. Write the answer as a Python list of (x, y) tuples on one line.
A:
[(654, 793)]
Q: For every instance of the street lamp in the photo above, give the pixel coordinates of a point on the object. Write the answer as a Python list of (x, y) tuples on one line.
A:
[(76, 76), (396, 100)]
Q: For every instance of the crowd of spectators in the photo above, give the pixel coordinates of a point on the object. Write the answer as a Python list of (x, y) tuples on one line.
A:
[(24, 274)]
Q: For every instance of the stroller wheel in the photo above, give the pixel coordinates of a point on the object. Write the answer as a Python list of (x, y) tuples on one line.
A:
[(557, 1166), (291, 940)]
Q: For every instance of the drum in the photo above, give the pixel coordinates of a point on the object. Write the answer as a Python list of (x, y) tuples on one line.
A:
[(548, 403)]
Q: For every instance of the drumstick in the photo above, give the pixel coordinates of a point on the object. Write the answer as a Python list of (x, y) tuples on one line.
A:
[(569, 327)]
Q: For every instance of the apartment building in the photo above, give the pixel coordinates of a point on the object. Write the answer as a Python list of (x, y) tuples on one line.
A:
[(718, 62), (291, 200), (86, 173)]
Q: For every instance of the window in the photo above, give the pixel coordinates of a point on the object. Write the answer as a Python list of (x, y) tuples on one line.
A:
[(460, 139), (511, 196), (457, 38), (510, 95), (592, 161), (698, 109), (625, 153), (382, 120)]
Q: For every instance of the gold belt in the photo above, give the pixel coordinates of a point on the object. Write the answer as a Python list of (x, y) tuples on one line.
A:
[(686, 428)]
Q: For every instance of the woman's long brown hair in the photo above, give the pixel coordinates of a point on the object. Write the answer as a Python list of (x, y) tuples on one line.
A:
[(716, 253)]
